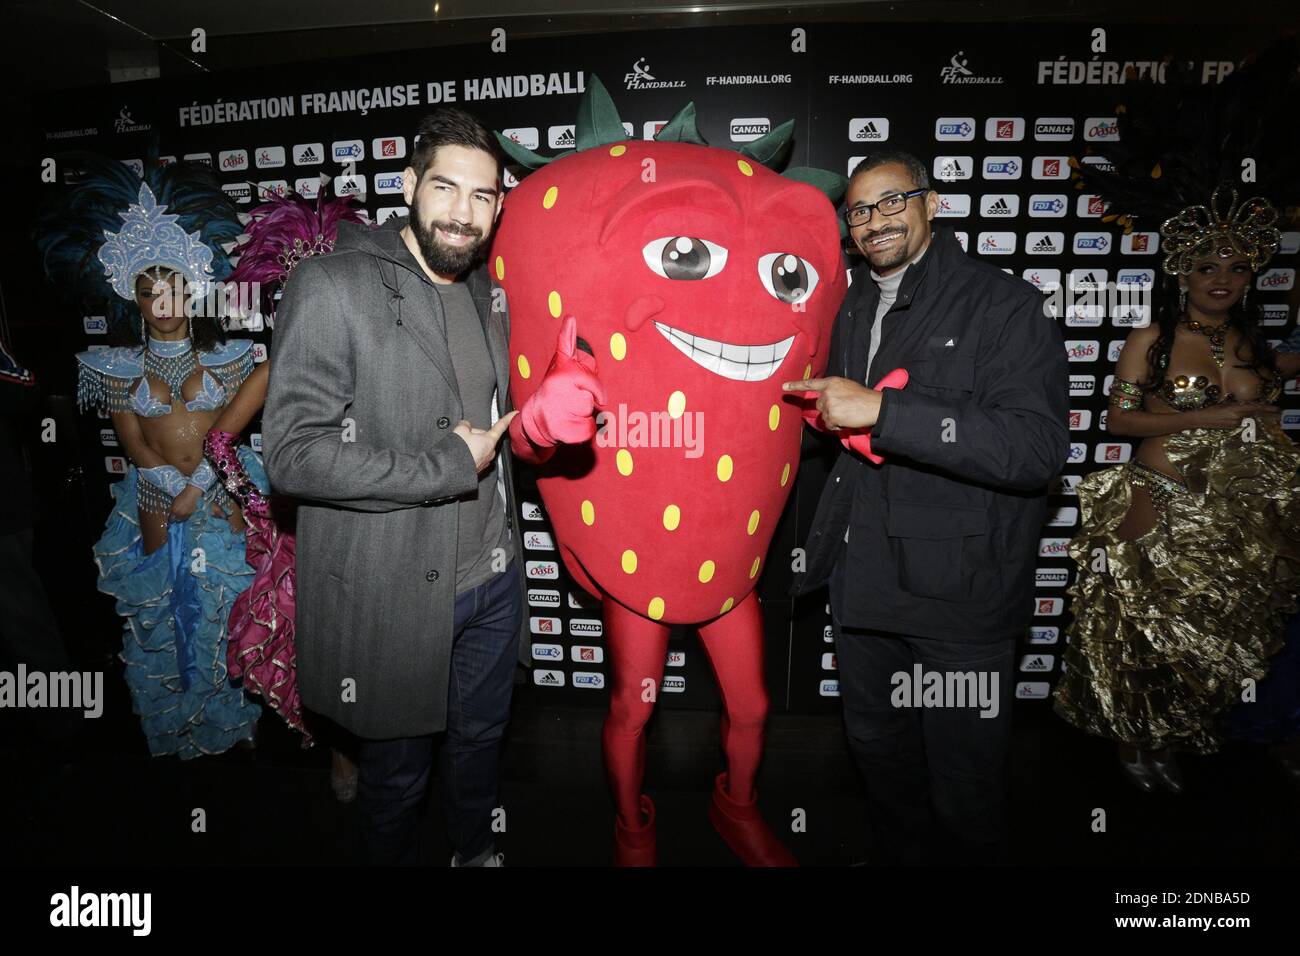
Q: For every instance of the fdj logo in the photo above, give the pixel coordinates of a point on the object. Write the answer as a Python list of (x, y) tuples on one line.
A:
[(1001, 168), (1092, 242), (955, 129), (1047, 205)]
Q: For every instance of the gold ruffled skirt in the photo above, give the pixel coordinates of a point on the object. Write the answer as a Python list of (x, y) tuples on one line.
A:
[(1167, 627)]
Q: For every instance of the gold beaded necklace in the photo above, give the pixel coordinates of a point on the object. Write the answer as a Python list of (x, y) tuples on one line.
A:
[(1217, 334)]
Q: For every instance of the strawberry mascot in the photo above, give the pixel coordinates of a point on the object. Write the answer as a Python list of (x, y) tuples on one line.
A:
[(649, 281)]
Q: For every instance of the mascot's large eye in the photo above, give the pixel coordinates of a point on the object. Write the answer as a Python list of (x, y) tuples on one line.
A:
[(682, 257), (786, 276)]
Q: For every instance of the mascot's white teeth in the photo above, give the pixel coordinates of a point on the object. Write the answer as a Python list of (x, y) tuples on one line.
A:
[(743, 363)]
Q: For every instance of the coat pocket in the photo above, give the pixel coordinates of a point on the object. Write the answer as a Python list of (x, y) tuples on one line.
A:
[(937, 549), (948, 375)]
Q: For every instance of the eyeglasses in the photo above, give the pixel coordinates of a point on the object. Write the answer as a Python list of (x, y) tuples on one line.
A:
[(889, 206)]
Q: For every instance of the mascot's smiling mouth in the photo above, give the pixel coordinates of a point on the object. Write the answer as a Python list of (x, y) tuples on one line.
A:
[(743, 363)]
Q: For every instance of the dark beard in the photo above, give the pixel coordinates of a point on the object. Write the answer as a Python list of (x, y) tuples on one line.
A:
[(896, 258), (442, 259)]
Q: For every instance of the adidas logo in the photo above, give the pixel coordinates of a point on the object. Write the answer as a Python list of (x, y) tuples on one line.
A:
[(549, 678), (565, 139), (999, 208), (869, 131), (1044, 244), (308, 155)]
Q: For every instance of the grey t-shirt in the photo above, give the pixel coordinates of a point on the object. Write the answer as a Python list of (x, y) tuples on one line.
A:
[(482, 513)]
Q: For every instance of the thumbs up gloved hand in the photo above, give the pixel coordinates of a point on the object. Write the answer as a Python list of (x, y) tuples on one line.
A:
[(561, 410)]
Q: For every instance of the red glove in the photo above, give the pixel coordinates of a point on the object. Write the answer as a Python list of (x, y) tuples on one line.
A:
[(561, 410), (856, 440)]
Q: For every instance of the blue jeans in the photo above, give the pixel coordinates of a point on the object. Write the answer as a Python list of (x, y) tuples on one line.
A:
[(394, 774)]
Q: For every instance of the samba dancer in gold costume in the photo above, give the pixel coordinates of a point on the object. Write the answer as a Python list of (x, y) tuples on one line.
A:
[(1189, 554)]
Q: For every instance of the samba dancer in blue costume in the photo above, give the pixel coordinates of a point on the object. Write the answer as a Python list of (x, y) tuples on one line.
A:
[(172, 553)]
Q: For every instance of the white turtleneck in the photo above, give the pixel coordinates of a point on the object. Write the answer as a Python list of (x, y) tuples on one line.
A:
[(888, 286)]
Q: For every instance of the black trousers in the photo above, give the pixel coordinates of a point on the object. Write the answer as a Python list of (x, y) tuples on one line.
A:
[(935, 775)]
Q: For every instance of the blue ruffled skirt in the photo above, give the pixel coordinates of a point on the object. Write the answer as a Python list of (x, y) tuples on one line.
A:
[(176, 603)]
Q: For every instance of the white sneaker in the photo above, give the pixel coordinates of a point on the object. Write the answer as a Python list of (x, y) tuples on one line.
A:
[(495, 859)]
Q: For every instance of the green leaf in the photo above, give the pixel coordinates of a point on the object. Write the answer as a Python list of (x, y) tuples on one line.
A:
[(682, 128), (769, 148), (598, 119), (520, 154), (832, 184)]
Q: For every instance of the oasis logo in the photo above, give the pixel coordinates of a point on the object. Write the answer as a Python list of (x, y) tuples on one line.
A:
[(538, 541), (525, 136), (1054, 128), (1082, 350), (347, 150), (232, 160), (542, 570), (583, 625), (1033, 690), (1051, 167), (543, 678), (588, 679), (1005, 129), (1037, 663), (997, 243), (269, 157), (548, 652), (1044, 243), (1041, 205), (543, 597), (388, 147), (1100, 128), (1276, 279), (545, 625), (1001, 167), (952, 205), (1044, 635), (954, 128), (1112, 454), (1051, 577), (829, 688), (530, 510), (587, 654), (309, 154), (388, 183), (1048, 607), (868, 129), (999, 206), (1083, 384), (1053, 547), (1140, 244), (676, 659), (950, 168), (746, 129), (272, 187)]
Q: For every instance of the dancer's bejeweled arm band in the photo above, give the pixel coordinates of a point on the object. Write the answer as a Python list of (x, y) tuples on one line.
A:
[(1125, 395), (221, 448), (158, 487)]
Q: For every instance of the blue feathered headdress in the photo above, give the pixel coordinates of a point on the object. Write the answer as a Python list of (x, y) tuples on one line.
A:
[(110, 225)]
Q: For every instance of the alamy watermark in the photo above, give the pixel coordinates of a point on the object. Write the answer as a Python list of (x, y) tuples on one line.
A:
[(77, 690), (658, 429), (921, 688)]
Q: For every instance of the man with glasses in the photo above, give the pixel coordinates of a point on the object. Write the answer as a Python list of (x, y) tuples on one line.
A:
[(930, 555)]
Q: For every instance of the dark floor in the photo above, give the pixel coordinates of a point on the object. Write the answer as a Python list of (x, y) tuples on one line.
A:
[(103, 800)]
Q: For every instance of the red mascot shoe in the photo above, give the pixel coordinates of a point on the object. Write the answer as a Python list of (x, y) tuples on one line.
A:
[(636, 847), (745, 831)]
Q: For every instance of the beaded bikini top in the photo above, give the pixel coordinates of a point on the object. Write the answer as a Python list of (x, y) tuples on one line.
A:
[(105, 377), (1188, 392)]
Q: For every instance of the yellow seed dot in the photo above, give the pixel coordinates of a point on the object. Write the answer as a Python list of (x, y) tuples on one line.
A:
[(727, 605), (656, 609), (624, 462), (774, 417), (807, 371), (553, 303), (618, 150), (676, 404), (549, 199), (618, 346), (588, 513), (724, 468), (744, 167), (753, 569), (629, 561), (501, 268), (706, 572), (753, 521), (785, 474), (524, 370), (672, 517)]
